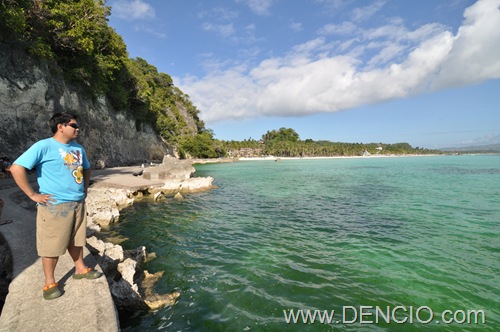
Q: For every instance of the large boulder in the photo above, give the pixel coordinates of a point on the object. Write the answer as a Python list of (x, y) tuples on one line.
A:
[(170, 168)]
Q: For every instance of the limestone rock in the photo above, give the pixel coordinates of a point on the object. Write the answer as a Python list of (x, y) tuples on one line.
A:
[(92, 229), (170, 168), (127, 270), (171, 186), (131, 287), (191, 185), (32, 91), (105, 217), (107, 254), (103, 204), (100, 164), (176, 168), (125, 298), (197, 184), (158, 196)]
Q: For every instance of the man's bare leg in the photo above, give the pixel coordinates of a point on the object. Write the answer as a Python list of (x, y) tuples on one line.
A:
[(50, 290), (76, 254), (49, 267)]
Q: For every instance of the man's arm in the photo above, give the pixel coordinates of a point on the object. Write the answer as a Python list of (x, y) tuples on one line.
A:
[(21, 177), (86, 180)]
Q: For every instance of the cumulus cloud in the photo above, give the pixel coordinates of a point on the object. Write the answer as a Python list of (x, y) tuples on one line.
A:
[(222, 29), (260, 7), (377, 65), (474, 56), (133, 10)]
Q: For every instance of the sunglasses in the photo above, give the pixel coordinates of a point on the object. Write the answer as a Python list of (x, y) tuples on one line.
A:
[(73, 125)]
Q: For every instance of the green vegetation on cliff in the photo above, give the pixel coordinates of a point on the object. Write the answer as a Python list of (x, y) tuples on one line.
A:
[(74, 35)]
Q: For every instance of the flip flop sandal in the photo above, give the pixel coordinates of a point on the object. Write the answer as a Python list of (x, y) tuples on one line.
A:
[(89, 273), (51, 292), (5, 222)]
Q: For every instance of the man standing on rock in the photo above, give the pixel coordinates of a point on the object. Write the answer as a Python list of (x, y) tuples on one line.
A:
[(63, 175)]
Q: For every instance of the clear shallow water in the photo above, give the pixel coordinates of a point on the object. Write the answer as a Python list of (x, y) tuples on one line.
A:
[(331, 234)]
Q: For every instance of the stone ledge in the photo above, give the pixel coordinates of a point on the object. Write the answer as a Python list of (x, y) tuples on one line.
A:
[(86, 305)]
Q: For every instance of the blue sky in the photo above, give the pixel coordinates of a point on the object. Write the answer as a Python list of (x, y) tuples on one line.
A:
[(425, 72)]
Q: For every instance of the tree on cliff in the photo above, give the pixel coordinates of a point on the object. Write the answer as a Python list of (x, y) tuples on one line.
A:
[(74, 35)]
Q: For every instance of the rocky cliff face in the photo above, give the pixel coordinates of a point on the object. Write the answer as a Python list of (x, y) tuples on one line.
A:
[(31, 92)]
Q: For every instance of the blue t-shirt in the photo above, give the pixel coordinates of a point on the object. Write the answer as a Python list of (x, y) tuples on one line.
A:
[(59, 168)]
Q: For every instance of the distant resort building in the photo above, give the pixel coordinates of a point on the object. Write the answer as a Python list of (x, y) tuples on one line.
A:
[(246, 153), (367, 154)]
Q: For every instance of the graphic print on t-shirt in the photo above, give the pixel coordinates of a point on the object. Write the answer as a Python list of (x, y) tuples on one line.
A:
[(73, 161)]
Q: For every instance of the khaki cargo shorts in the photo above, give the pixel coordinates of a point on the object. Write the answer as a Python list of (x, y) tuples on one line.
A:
[(58, 226)]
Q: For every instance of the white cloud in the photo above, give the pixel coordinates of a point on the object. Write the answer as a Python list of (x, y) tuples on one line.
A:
[(389, 52), (475, 53), (310, 79), (222, 29), (345, 28), (219, 13), (259, 7), (132, 10), (364, 13), (295, 26), (150, 30), (225, 14), (332, 6)]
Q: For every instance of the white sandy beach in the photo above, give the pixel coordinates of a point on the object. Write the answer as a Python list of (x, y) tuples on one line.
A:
[(272, 158)]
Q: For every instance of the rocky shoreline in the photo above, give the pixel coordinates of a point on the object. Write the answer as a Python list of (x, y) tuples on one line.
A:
[(130, 285)]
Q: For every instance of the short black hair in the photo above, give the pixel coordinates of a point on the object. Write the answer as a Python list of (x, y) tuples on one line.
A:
[(63, 118)]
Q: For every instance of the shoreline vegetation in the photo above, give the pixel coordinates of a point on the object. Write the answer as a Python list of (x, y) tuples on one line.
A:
[(335, 157)]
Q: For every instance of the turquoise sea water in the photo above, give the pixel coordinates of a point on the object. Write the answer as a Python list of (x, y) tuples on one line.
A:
[(413, 235)]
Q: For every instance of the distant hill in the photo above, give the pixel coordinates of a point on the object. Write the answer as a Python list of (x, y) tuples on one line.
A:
[(480, 148)]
